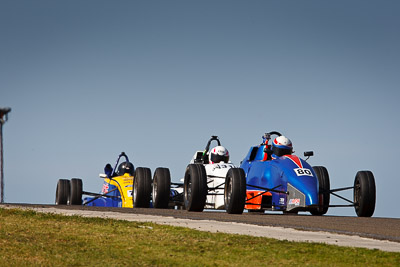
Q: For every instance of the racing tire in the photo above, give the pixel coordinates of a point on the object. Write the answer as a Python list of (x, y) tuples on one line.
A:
[(324, 190), (142, 188), (235, 191), (75, 194), (62, 192), (161, 188), (195, 187), (364, 194)]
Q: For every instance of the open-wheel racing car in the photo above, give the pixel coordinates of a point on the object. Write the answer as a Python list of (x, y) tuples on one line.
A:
[(277, 180), (124, 186), (210, 182)]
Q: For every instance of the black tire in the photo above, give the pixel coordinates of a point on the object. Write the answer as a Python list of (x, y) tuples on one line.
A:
[(235, 191), (75, 195), (161, 188), (142, 188), (195, 187), (324, 188), (364, 194), (62, 192)]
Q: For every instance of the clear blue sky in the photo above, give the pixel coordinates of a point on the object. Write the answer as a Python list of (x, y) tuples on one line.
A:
[(89, 79)]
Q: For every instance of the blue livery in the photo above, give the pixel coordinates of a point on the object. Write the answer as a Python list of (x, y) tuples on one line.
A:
[(277, 180), (292, 182)]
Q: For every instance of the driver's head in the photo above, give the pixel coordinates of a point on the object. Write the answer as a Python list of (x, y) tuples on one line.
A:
[(125, 167), (219, 154), (282, 146)]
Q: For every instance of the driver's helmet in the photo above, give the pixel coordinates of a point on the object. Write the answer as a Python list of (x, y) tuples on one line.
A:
[(125, 167), (219, 154), (282, 146)]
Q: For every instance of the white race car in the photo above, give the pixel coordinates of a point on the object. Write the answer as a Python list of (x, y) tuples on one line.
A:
[(216, 175), (211, 181)]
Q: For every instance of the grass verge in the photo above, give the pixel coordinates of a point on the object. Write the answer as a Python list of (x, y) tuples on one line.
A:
[(29, 238)]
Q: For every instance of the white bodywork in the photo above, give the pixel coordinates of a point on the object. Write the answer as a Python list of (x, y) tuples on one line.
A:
[(216, 175)]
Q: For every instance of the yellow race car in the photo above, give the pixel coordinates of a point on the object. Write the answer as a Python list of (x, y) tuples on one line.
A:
[(124, 186)]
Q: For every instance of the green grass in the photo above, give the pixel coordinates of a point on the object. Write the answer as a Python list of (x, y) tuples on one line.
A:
[(28, 238)]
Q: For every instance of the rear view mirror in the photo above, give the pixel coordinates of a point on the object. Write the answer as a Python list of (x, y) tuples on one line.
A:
[(102, 175), (108, 170), (308, 153)]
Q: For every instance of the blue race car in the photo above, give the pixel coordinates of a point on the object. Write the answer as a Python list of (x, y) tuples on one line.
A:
[(277, 180)]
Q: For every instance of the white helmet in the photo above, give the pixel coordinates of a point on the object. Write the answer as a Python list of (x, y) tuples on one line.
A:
[(282, 146), (219, 154)]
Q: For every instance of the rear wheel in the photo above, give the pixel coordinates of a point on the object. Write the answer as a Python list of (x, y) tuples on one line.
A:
[(235, 191), (142, 188), (324, 188), (364, 194), (62, 192), (195, 187), (161, 188), (75, 196)]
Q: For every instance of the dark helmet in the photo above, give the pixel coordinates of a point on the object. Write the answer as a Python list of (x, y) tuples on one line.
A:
[(125, 167)]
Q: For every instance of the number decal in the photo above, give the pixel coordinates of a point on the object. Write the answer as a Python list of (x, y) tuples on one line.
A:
[(222, 166), (129, 193), (303, 172)]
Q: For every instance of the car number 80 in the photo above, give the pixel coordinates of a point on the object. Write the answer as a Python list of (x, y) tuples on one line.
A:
[(303, 172)]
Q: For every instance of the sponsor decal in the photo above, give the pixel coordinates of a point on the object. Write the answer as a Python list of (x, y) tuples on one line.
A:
[(294, 201), (129, 185), (282, 201), (105, 188), (303, 172)]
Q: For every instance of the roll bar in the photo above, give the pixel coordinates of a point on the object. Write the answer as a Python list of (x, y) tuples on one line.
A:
[(116, 164), (213, 138), (267, 136)]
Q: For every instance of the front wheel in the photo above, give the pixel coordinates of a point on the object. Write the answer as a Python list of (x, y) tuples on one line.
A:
[(142, 188), (195, 187), (161, 188), (62, 192), (364, 194), (323, 190), (75, 196), (235, 191)]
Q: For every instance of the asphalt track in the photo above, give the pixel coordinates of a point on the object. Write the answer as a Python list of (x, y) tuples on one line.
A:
[(270, 225)]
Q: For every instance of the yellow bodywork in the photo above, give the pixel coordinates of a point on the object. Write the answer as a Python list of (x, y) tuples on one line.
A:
[(124, 184)]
